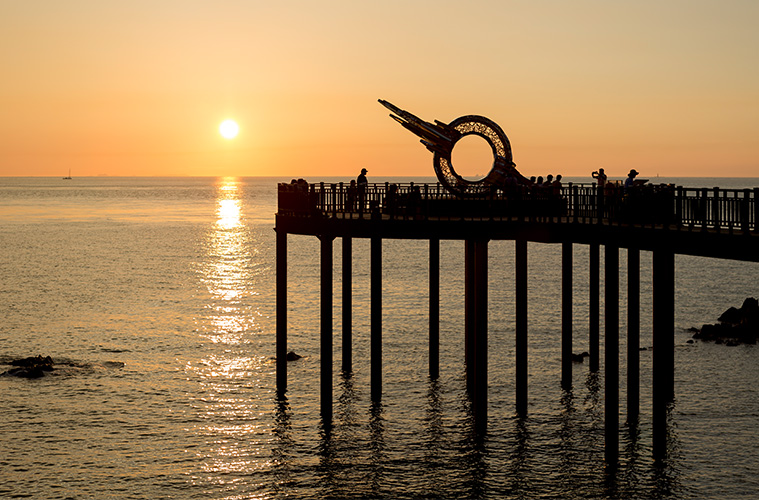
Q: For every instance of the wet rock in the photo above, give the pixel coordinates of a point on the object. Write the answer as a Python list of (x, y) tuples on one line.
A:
[(291, 356), (736, 325), (38, 366), (32, 367), (730, 317), (114, 364), (579, 358)]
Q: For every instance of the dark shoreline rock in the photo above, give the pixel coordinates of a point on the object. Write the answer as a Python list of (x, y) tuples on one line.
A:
[(38, 366), (579, 358), (292, 356), (31, 367), (736, 326)]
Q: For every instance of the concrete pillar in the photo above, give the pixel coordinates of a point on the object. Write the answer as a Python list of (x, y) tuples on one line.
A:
[(469, 312), (434, 314), (633, 334), (326, 328), (480, 358), (281, 349), (611, 356), (594, 289), (376, 319), (664, 345), (566, 316), (521, 326), (347, 304)]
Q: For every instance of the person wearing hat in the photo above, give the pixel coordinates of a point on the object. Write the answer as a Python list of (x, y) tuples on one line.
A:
[(361, 179), (630, 181), (362, 185)]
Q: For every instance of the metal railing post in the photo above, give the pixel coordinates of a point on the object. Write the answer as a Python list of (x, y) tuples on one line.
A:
[(746, 211), (715, 208)]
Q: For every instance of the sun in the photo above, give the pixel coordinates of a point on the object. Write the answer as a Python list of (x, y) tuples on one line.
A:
[(229, 129)]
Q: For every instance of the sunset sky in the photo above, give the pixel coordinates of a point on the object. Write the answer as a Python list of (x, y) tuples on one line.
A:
[(140, 87)]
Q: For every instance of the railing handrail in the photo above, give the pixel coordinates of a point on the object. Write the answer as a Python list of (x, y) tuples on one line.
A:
[(654, 204)]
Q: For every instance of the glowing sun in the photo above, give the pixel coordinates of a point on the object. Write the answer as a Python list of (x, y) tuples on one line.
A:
[(229, 129)]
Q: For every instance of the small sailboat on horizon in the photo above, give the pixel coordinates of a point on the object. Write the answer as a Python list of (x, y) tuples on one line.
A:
[(68, 176)]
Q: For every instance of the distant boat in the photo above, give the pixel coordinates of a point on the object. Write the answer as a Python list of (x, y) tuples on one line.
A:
[(68, 176)]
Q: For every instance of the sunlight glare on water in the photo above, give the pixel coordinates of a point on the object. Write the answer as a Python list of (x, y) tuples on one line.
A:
[(228, 370), (226, 271)]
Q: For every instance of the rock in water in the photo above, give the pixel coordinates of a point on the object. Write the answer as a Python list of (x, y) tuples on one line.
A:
[(738, 326), (291, 356), (32, 367)]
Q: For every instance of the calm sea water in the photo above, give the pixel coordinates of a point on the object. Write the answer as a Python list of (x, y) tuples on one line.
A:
[(158, 295)]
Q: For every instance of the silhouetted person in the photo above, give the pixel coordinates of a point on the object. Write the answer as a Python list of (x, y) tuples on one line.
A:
[(600, 175), (556, 186), (414, 201), (630, 181), (350, 202), (362, 184)]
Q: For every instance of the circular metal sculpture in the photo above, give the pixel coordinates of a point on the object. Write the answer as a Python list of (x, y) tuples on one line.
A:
[(440, 138)]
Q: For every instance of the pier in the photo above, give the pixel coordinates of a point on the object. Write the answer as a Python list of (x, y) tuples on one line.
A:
[(665, 220)]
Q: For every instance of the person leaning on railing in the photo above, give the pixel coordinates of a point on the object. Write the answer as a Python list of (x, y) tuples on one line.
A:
[(630, 181)]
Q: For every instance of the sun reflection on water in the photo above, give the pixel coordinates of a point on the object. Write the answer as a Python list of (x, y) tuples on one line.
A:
[(230, 422), (227, 273), (229, 214)]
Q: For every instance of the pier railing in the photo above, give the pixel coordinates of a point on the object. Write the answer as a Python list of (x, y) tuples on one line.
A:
[(733, 210)]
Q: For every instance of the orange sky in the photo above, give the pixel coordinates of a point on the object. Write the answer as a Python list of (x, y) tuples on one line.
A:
[(140, 87)]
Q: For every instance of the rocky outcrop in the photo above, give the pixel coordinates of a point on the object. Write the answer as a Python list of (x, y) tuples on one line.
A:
[(32, 367), (736, 326), (579, 358), (40, 366)]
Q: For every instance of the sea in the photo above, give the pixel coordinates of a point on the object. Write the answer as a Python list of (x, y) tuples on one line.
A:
[(155, 297)]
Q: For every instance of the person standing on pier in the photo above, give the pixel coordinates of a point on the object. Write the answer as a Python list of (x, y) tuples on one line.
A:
[(556, 186), (600, 176), (350, 204), (362, 185), (630, 181)]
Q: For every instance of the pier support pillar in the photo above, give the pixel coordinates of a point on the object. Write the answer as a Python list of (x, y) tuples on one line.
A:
[(326, 327), (633, 334), (566, 316), (281, 349), (480, 358), (434, 308), (347, 304), (594, 289), (664, 345), (611, 356), (376, 319), (469, 312), (521, 326)]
